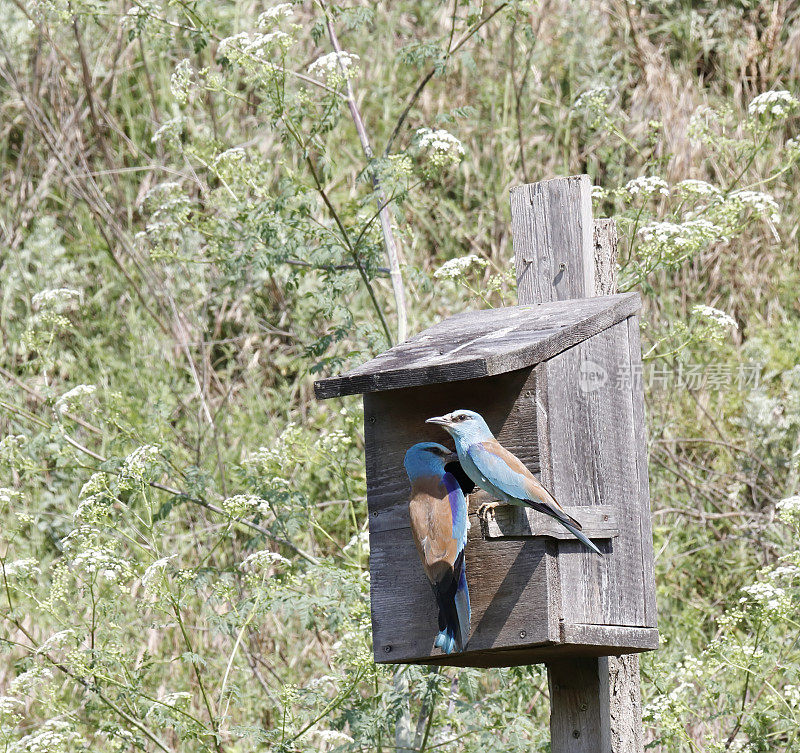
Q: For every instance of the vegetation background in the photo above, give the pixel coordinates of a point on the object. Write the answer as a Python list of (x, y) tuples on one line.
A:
[(204, 205)]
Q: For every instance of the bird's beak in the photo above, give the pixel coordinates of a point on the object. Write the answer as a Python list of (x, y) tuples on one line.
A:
[(440, 420)]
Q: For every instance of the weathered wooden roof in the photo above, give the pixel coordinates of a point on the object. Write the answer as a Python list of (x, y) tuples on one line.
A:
[(483, 343)]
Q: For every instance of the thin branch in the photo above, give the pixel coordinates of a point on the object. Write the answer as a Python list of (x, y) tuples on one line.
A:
[(398, 286), (432, 72)]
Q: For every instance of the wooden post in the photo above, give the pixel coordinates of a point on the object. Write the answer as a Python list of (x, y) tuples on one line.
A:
[(561, 253)]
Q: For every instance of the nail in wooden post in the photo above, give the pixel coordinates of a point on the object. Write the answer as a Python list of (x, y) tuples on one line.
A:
[(561, 253)]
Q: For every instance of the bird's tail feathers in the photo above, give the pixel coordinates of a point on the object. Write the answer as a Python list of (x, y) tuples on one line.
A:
[(463, 609), (554, 511), (581, 537), (452, 598)]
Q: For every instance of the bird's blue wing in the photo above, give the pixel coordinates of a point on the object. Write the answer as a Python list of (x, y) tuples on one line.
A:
[(458, 509), (507, 473), (496, 464)]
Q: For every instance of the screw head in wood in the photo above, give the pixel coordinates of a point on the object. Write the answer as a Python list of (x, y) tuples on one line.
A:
[(522, 633), (387, 649), (576, 733)]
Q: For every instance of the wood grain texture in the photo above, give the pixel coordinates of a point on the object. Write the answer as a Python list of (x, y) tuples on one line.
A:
[(621, 728), (592, 448), (605, 241), (511, 522), (643, 639), (483, 343), (640, 430), (576, 707), (551, 223), (633, 638)]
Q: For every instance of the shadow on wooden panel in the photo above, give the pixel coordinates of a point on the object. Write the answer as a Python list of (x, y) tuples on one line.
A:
[(507, 595)]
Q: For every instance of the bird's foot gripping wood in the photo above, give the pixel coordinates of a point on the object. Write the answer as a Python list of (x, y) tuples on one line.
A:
[(486, 510)]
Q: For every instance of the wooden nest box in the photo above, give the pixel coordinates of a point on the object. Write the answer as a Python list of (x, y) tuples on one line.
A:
[(560, 386)]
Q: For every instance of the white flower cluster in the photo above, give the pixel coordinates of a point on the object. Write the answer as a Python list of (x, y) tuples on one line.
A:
[(138, 465), (758, 201), (272, 461), (676, 240), (271, 15), (784, 572), (777, 104), (90, 556), (702, 124), (459, 266), (442, 148), (439, 139), (56, 641), (335, 67), (72, 397), (97, 484), (772, 599), (360, 539), (335, 442), (54, 736), (7, 495), (262, 560), (595, 104), (646, 185), (93, 510), (791, 694), (9, 705), (11, 445), (54, 297), (789, 509), (242, 505), (692, 187), (162, 192), (332, 736), (153, 576), (180, 83), (169, 131), (96, 499), (715, 316), (253, 45), (660, 708), (594, 98), (25, 683), (793, 147), (23, 568), (230, 162)]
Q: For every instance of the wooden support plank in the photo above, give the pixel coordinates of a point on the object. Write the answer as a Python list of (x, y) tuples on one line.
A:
[(576, 723), (551, 222), (559, 254), (510, 522)]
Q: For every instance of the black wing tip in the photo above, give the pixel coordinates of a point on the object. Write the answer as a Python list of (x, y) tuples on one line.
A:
[(459, 474)]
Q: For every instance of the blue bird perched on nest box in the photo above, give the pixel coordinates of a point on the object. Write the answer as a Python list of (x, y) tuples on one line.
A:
[(439, 522), (497, 471)]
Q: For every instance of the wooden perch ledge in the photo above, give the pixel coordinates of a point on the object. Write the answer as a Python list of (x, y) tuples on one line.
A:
[(511, 522)]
